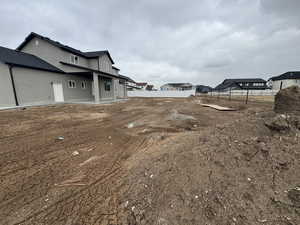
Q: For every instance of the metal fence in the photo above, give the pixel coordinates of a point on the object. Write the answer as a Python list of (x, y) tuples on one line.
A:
[(245, 95)]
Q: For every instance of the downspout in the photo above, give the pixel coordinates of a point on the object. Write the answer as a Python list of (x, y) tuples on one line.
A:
[(13, 84)]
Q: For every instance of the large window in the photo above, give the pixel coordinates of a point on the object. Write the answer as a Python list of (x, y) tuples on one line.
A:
[(74, 59), (72, 84), (107, 85)]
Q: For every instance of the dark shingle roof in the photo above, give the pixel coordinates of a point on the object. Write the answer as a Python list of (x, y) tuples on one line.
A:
[(127, 78), (287, 75), (64, 47), (22, 59), (248, 80), (179, 84), (234, 83)]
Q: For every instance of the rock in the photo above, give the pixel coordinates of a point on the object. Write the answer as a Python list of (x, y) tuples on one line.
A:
[(294, 196), (283, 122), (75, 153), (288, 100), (277, 123)]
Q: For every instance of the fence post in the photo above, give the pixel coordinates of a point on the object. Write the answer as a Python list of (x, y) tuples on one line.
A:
[(247, 96)]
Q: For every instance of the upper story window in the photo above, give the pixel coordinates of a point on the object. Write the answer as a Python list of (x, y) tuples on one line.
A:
[(72, 84), (74, 59)]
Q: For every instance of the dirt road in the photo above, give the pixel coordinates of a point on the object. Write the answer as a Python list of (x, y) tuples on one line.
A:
[(144, 161)]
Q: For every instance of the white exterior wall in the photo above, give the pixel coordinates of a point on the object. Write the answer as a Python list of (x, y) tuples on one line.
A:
[(35, 86), (285, 83), (161, 94), (105, 64), (6, 90)]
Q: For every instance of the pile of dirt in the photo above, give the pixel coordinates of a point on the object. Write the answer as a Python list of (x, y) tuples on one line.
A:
[(237, 173), (288, 100)]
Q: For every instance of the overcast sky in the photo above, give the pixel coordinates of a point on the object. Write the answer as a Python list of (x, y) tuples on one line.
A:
[(159, 41)]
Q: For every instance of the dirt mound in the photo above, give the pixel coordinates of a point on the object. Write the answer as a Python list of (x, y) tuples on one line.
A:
[(232, 174), (288, 100)]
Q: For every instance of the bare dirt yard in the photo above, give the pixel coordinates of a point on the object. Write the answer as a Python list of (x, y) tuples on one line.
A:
[(149, 161)]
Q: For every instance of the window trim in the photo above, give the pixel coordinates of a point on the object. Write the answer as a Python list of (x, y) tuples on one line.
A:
[(72, 56), (71, 82)]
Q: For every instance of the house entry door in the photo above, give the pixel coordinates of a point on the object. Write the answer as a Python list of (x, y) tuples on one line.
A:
[(58, 92)]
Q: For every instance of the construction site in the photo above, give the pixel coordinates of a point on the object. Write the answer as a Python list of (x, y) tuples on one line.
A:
[(162, 161)]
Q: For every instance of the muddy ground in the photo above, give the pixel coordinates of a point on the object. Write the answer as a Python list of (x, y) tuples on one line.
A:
[(147, 161)]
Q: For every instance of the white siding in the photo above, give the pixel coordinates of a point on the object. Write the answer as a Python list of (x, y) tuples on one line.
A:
[(6, 89), (105, 64), (285, 83), (35, 86), (53, 55)]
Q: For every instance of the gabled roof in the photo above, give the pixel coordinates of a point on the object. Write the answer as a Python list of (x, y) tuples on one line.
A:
[(141, 84), (179, 84), (203, 86), (243, 80), (16, 58), (115, 68), (287, 75), (98, 54), (235, 82), (64, 47), (127, 78)]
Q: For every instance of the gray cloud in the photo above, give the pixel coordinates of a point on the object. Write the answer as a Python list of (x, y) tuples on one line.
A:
[(199, 41)]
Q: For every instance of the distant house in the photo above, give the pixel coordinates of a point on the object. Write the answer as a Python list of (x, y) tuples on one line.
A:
[(242, 84), (176, 87), (149, 87), (285, 80), (130, 83), (141, 85), (203, 89)]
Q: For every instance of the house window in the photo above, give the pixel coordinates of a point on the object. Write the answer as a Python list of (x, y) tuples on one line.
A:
[(83, 85), (72, 84), (74, 59), (107, 85)]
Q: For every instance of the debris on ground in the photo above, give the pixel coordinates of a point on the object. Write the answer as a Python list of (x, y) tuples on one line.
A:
[(175, 115), (75, 153), (287, 100), (60, 138)]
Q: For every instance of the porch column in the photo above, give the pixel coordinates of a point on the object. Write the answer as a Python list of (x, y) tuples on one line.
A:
[(114, 88), (96, 87)]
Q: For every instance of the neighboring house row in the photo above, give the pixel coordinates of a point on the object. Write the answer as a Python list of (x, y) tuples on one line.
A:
[(43, 71), (242, 84), (285, 80), (176, 87)]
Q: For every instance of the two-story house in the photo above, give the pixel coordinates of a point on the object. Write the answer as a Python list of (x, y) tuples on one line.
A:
[(43, 71)]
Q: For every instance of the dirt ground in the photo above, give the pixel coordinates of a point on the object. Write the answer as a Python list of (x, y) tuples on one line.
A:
[(147, 161)]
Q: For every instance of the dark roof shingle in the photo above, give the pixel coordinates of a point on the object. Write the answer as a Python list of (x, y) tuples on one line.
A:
[(22, 59), (287, 75)]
